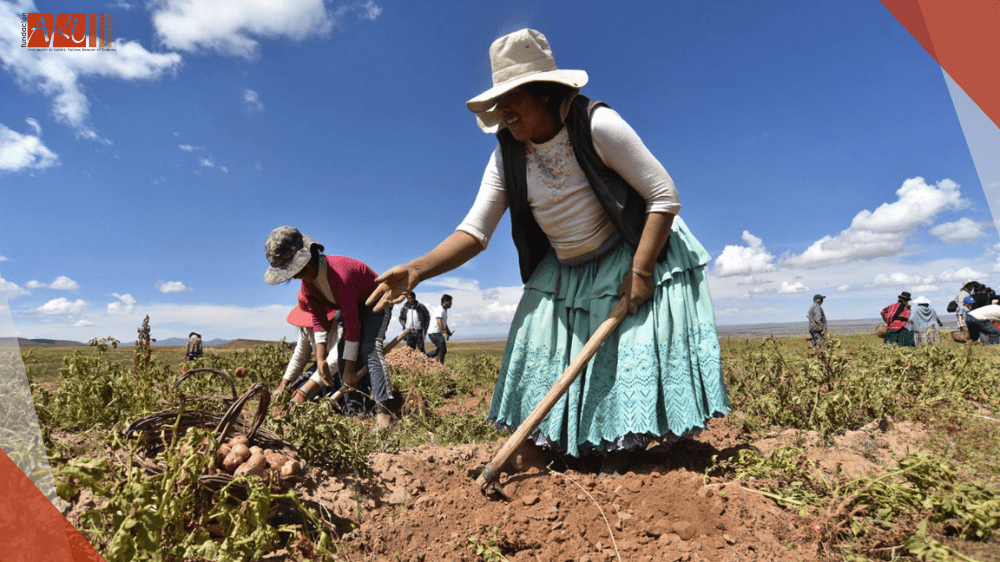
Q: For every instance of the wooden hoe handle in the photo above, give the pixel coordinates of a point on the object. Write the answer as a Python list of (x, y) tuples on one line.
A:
[(492, 471)]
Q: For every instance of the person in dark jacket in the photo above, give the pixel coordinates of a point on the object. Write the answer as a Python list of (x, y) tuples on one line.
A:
[(415, 318), (194, 349), (817, 322)]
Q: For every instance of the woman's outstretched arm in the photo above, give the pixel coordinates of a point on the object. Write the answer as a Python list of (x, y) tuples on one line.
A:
[(452, 252)]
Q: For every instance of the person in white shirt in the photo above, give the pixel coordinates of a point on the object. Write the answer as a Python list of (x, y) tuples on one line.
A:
[(980, 322), (439, 332), (303, 354)]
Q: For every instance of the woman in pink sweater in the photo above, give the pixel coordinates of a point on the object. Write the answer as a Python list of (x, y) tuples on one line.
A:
[(337, 283)]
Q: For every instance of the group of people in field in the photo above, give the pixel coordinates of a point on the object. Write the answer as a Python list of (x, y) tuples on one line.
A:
[(913, 322), (594, 219), (975, 306)]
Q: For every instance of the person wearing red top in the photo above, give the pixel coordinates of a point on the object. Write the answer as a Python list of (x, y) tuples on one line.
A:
[(896, 316), (331, 283)]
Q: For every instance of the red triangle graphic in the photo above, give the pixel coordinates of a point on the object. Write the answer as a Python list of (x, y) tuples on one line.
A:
[(31, 528), (964, 38)]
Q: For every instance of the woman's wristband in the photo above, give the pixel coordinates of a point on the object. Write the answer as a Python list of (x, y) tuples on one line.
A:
[(641, 273)]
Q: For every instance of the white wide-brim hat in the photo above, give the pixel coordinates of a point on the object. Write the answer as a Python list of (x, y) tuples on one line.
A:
[(518, 58)]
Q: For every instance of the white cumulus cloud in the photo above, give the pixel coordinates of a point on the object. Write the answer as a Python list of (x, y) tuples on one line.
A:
[(366, 11), (232, 27), (744, 260), (882, 232), (61, 283), (61, 307), (82, 324), (792, 288), (961, 275), (24, 152), (252, 100), (454, 283), (12, 290), (124, 305), (58, 75), (171, 287), (962, 230), (900, 279)]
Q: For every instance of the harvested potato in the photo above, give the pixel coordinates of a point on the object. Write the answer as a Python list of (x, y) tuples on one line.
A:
[(240, 440), (246, 469), (241, 451), (290, 468), (276, 460), (240, 372), (231, 462), (257, 460), (256, 450)]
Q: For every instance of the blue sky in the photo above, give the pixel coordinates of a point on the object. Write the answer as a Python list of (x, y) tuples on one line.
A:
[(816, 148)]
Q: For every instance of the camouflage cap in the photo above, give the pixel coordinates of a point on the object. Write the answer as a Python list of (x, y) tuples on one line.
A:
[(288, 251)]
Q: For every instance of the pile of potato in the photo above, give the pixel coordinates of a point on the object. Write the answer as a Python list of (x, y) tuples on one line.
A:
[(237, 457)]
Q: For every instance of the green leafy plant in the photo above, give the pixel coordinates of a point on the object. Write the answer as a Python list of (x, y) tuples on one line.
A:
[(486, 549), (171, 517)]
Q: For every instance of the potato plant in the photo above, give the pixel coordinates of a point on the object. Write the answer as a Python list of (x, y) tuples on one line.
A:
[(835, 390), (170, 516)]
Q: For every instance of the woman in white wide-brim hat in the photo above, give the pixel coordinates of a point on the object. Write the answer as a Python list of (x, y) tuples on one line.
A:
[(594, 218)]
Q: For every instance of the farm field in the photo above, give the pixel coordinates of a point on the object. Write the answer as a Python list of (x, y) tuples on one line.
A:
[(857, 452)]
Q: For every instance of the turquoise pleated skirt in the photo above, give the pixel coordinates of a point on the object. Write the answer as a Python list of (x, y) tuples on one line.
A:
[(656, 377)]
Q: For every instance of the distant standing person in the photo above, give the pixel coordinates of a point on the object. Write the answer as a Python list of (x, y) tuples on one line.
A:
[(924, 321), (415, 318), (817, 321), (439, 331), (967, 289), (194, 350), (896, 316)]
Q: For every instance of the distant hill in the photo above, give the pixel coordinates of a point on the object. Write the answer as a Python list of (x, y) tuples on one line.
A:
[(243, 343), (182, 342), (22, 342)]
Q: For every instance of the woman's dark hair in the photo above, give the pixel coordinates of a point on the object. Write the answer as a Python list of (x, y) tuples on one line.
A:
[(556, 92)]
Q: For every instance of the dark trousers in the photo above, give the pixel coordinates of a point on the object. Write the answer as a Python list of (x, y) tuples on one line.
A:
[(817, 338), (415, 340), (979, 328), (442, 347)]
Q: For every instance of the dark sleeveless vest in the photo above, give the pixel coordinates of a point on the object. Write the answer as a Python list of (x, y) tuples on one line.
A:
[(624, 205)]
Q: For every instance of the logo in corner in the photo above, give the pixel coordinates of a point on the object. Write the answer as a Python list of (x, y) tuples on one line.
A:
[(65, 31)]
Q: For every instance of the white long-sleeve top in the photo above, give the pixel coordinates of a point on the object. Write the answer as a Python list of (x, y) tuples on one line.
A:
[(304, 351), (561, 199), (988, 313)]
